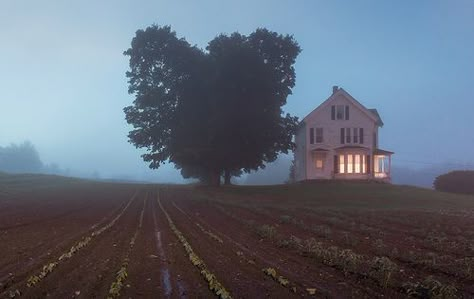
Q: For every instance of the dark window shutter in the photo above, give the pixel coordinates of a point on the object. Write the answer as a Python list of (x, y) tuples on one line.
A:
[(336, 164), (343, 138), (347, 112), (311, 136), (368, 164), (333, 112), (361, 135)]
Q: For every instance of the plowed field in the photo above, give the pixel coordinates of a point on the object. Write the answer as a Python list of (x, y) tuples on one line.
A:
[(64, 238)]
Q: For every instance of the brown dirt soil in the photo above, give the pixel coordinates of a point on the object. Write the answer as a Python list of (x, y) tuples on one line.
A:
[(37, 227)]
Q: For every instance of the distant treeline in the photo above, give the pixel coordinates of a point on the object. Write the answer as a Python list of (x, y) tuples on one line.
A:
[(24, 158), (459, 181)]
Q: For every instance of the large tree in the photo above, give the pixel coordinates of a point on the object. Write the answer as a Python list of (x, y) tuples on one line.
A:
[(211, 112)]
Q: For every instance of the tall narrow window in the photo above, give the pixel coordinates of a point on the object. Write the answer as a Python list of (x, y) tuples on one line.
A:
[(343, 138), (311, 136), (364, 166), (333, 112), (348, 135), (349, 163), (340, 112), (368, 164), (347, 112), (320, 161), (356, 135), (342, 169), (361, 135), (319, 135), (336, 164), (357, 163)]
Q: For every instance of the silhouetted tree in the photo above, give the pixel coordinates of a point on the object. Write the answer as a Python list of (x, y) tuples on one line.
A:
[(459, 181), (211, 113), (22, 158)]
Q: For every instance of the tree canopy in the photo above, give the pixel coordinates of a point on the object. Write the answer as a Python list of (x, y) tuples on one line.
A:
[(214, 111)]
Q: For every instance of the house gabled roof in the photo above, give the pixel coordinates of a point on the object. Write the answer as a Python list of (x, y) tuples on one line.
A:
[(379, 119), (371, 113)]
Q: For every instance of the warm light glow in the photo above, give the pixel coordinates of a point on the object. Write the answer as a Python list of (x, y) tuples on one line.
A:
[(349, 163), (341, 164), (376, 164), (364, 167), (319, 163), (357, 163)]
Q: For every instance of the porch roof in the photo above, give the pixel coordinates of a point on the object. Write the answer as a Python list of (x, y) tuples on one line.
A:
[(319, 150), (379, 151), (351, 147)]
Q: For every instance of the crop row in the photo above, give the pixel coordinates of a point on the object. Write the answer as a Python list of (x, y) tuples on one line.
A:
[(205, 231), (49, 267), (379, 268), (117, 285), (214, 284)]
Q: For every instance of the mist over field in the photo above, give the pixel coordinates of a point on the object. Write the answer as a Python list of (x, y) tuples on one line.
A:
[(64, 87)]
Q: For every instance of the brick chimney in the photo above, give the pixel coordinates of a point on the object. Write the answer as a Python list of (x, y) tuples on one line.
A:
[(334, 89)]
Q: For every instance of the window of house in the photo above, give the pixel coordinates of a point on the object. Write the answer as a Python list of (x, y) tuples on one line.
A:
[(343, 138), (357, 164), (319, 135), (349, 164), (340, 112), (361, 135), (342, 168), (356, 135), (364, 165), (348, 135), (319, 162), (311, 136)]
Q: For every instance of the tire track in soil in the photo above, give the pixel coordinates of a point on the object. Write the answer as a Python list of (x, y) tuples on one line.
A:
[(61, 280), (165, 272), (243, 279), (145, 277), (299, 270), (60, 237)]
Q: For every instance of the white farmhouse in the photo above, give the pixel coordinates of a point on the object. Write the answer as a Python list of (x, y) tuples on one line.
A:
[(339, 140)]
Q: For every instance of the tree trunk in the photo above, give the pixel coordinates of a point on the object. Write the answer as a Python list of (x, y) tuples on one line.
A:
[(215, 178), (227, 177)]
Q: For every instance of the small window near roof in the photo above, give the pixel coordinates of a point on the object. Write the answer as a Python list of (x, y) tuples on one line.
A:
[(319, 135), (340, 112)]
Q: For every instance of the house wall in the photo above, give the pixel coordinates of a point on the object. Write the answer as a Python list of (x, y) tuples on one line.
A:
[(321, 117)]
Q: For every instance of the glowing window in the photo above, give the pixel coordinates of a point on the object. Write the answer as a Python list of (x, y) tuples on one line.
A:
[(364, 169), (349, 163), (319, 163), (341, 164), (357, 163)]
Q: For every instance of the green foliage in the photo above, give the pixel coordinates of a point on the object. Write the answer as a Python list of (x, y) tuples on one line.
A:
[(213, 111), (456, 182)]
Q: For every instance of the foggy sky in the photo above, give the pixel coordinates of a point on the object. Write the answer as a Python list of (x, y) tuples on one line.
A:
[(63, 85)]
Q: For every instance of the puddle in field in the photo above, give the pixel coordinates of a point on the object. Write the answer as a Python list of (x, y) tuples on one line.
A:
[(165, 273)]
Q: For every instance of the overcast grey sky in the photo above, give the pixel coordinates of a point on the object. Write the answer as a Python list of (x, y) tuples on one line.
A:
[(63, 85)]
